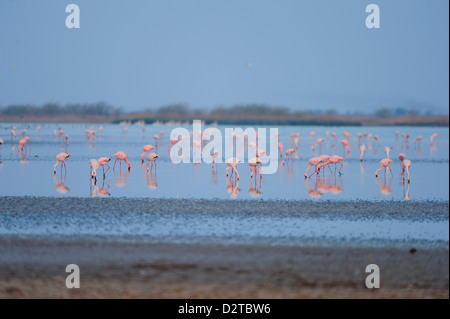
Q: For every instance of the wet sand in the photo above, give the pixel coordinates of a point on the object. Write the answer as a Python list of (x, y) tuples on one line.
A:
[(117, 266)]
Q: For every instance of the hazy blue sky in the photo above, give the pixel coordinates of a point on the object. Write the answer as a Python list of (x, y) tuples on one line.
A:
[(303, 54)]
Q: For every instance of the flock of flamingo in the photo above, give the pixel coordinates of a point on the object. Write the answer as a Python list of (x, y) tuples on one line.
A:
[(317, 163)]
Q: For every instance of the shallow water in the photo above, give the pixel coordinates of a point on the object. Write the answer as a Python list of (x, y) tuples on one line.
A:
[(33, 174)]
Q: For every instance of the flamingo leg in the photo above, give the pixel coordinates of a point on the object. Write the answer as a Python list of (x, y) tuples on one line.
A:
[(330, 169), (315, 171), (114, 166), (342, 165), (390, 171)]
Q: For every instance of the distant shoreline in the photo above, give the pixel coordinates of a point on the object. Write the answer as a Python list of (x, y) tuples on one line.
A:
[(320, 120)]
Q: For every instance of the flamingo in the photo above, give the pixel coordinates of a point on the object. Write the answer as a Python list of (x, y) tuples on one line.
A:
[(121, 156), (346, 135), (418, 140), (102, 161), (61, 133), (319, 142), (147, 148), (93, 163), (315, 161), (384, 163), (387, 150), (232, 163), (61, 157), (254, 163), (280, 149), (152, 157), (173, 142), (406, 164), (362, 148), (324, 159), (335, 159), (433, 137), (346, 146), (214, 156), (289, 153)]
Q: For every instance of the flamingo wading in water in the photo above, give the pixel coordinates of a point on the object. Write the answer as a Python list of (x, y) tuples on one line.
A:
[(384, 163), (121, 156), (152, 157), (147, 148), (61, 157)]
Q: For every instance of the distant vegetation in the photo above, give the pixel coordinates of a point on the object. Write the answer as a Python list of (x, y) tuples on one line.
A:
[(237, 114), (49, 109)]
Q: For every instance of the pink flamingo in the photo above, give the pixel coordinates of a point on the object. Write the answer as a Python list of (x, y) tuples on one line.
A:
[(433, 137), (384, 163), (152, 157), (362, 148), (406, 164), (93, 163), (232, 163), (61, 157), (289, 153), (173, 142), (387, 150), (147, 148), (61, 133), (102, 161), (418, 140), (121, 156), (346, 146), (280, 149), (346, 135), (324, 159), (214, 156), (315, 161), (319, 142), (335, 159), (254, 163)]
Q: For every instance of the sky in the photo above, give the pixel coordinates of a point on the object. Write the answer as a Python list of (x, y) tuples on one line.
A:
[(305, 55)]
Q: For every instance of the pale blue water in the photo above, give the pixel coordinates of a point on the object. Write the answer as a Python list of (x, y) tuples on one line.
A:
[(33, 175)]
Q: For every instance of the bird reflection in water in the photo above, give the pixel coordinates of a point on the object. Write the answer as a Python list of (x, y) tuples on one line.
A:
[(60, 187), (120, 179), (385, 186), (313, 193), (232, 187), (254, 190), (95, 191), (151, 180), (405, 187), (323, 185)]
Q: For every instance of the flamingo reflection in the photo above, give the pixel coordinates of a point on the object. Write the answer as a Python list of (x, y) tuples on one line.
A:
[(313, 193), (60, 187), (254, 190), (120, 179), (406, 195), (232, 187), (101, 192), (385, 187)]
